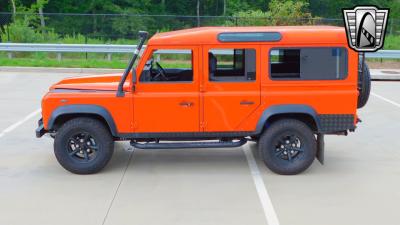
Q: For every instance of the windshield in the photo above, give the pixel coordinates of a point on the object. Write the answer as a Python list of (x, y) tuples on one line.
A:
[(139, 57)]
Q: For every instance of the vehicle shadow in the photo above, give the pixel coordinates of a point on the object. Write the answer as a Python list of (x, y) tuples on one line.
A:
[(206, 159)]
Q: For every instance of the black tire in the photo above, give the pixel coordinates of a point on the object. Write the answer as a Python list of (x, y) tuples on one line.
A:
[(97, 146), (298, 151), (364, 86)]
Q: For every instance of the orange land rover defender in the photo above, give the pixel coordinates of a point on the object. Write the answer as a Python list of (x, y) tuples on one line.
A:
[(213, 87)]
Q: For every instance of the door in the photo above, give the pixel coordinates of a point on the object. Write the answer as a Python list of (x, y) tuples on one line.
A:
[(166, 98), (231, 87)]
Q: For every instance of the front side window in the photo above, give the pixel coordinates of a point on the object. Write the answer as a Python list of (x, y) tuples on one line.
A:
[(168, 65), (308, 63), (232, 64)]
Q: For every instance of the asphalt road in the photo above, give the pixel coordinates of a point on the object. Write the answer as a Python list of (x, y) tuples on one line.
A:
[(359, 183)]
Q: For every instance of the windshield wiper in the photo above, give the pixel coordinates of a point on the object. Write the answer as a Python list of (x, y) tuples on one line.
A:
[(143, 36)]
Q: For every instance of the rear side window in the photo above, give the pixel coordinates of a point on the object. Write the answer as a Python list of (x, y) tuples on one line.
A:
[(232, 64), (308, 63)]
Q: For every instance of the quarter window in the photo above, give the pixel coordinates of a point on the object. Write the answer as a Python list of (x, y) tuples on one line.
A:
[(308, 63), (232, 64)]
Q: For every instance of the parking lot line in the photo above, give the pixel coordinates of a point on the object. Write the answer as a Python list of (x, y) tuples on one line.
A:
[(385, 99), (18, 123), (117, 189), (268, 208)]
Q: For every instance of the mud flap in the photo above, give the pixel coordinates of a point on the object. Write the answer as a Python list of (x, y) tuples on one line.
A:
[(320, 148)]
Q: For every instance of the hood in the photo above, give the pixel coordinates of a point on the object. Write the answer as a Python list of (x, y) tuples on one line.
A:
[(107, 82)]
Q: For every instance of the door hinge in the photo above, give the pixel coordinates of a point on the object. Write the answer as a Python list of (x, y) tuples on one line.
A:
[(134, 125), (202, 88), (203, 124)]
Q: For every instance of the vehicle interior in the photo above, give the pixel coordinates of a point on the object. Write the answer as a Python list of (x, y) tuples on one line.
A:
[(231, 64), (285, 63), (168, 66)]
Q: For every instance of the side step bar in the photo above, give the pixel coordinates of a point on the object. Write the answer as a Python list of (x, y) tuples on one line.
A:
[(175, 145)]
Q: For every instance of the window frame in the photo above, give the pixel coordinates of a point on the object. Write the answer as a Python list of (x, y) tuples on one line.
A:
[(226, 79), (344, 77)]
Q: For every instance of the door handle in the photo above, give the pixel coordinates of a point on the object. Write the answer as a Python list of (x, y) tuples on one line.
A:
[(186, 104), (244, 102)]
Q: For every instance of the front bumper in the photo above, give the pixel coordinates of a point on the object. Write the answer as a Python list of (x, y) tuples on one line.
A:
[(40, 131)]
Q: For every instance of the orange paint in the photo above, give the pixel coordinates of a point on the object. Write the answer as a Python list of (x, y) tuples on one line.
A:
[(202, 105)]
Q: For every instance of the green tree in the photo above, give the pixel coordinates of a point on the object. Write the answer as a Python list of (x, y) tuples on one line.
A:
[(245, 12), (279, 13), (14, 8), (289, 12), (249, 18)]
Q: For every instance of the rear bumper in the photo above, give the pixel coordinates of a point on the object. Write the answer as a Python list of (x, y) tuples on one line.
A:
[(40, 131)]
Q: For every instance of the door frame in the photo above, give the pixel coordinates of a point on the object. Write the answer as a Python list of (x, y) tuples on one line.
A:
[(206, 83), (183, 86)]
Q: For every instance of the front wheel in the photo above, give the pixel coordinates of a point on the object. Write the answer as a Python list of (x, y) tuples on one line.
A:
[(83, 146), (288, 147)]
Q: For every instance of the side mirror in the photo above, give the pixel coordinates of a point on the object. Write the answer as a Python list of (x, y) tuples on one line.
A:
[(143, 34)]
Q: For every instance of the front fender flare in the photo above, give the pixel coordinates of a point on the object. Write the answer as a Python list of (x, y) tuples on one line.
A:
[(83, 109)]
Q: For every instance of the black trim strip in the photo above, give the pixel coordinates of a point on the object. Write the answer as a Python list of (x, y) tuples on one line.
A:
[(219, 144), (186, 135)]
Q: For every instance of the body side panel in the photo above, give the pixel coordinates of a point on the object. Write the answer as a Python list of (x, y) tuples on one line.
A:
[(120, 109)]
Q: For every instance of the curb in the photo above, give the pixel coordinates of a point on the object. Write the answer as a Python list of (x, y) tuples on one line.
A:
[(385, 74)]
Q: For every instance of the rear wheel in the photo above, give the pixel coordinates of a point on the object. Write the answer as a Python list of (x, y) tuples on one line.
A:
[(83, 146), (288, 147)]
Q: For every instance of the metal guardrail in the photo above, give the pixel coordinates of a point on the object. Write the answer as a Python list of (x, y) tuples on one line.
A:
[(386, 54), (76, 48), (109, 49), (94, 48)]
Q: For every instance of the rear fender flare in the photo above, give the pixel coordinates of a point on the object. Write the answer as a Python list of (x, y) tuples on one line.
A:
[(283, 109)]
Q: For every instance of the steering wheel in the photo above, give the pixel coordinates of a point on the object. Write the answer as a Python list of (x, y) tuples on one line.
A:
[(161, 75)]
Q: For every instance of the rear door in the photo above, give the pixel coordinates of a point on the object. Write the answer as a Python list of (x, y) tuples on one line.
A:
[(231, 91)]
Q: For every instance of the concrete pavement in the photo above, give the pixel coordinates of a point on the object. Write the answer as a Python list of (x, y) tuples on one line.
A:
[(359, 183), (385, 74)]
